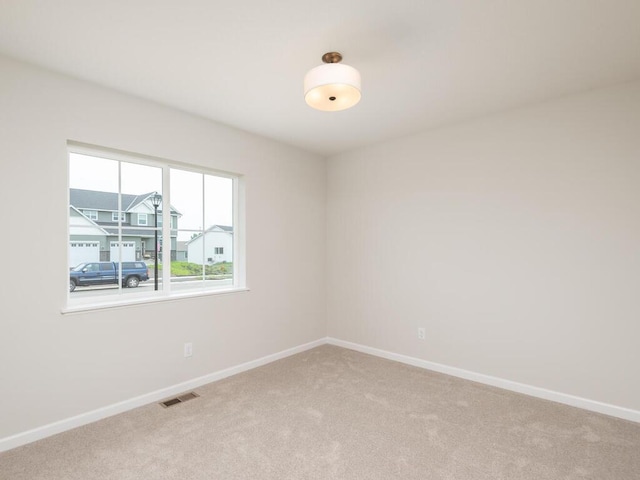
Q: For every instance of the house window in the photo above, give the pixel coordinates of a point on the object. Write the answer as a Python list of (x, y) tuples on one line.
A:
[(198, 210), (115, 216), (91, 214)]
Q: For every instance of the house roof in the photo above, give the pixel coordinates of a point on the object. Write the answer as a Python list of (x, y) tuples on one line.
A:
[(106, 201), (221, 227), (78, 223), (128, 231), (212, 228)]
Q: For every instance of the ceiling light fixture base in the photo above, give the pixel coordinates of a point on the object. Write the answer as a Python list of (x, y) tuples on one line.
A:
[(332, 57)]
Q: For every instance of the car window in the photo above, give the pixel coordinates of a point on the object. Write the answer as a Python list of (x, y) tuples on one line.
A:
[(106, 266)]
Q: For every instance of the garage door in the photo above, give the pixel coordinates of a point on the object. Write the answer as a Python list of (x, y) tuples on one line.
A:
[(128, 251), (80, 252)]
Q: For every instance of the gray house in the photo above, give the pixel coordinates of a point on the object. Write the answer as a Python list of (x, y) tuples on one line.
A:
[(93, 227)]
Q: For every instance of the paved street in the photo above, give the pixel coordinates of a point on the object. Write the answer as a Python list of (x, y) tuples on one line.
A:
[(176, 284)]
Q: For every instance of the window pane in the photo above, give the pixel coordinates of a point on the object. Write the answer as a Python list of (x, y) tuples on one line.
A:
[(93, 173), (152, 252), (204, 246), (140, 180), (116, 243), (91, 214), (100, 237), (218, 197), (187, 199)]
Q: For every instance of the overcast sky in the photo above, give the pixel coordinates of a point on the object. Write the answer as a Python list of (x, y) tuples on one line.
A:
[(93, 173)]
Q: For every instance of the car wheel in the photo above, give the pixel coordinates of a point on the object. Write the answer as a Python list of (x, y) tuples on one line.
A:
[(72, 285), (133, 282)]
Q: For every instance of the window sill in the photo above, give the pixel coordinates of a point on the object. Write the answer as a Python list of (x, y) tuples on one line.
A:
[(120, 303)]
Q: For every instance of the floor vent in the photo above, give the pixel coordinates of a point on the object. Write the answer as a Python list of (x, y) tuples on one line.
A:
[(179, 399)]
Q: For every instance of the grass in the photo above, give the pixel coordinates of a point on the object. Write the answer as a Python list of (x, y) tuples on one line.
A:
[(186, 269)]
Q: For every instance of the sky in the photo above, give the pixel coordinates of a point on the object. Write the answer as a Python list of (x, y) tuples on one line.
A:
[(187, 188)]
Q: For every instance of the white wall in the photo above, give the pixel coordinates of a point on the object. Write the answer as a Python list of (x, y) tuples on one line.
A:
[(514, 240), (53, 366)]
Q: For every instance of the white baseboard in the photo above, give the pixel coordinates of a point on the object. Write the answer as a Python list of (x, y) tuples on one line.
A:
[(584, 403), (39, 433)]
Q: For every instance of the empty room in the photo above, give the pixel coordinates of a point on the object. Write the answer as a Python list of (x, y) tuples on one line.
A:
[(338, 240)]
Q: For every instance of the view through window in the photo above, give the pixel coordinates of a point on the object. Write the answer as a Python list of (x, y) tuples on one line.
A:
[(130, 239)]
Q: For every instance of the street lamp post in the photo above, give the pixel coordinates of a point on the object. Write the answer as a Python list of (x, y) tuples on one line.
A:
[(156, 198)]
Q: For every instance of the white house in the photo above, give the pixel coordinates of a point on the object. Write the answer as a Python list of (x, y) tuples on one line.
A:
[(214, 246)]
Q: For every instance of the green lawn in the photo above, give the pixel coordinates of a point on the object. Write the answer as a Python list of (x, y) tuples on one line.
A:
[(186, 269)]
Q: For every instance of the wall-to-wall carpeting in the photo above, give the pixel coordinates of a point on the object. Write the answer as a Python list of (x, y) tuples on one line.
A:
[(332, 413)]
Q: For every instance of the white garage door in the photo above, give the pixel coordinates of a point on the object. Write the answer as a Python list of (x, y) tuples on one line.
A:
[(128, 251), (80, 252)]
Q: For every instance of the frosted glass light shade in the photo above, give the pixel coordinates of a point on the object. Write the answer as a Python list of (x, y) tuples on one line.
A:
[(332, 87)]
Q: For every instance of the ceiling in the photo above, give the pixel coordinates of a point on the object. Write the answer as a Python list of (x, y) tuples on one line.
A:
[(424, 63)]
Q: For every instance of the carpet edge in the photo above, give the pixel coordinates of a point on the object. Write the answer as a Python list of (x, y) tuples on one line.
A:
[(39, 433), (530, 390)]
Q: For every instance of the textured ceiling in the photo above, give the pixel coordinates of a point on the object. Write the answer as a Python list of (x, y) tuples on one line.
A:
[(424, 63)]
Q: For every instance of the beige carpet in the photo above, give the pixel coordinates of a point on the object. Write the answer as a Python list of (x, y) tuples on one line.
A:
[(332, 413)]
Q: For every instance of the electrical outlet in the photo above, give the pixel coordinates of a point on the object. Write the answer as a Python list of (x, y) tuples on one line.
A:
[(421, 333), (188, 349)]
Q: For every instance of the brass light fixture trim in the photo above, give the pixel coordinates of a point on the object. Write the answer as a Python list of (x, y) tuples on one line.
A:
[(332, 57)]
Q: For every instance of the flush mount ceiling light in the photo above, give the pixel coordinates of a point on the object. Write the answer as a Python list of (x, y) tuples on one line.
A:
[(333, 86)]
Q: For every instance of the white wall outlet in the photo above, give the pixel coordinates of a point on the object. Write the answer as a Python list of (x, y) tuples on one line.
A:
[(188, 349), (421, 333)]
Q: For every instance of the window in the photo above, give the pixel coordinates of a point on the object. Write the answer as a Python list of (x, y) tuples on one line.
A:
[(115, 216), (91, 214), (194, 249)]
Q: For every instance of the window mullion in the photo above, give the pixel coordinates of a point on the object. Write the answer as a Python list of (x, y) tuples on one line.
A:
[(166, 229), (238, 247), (204, 232), (119, 270)]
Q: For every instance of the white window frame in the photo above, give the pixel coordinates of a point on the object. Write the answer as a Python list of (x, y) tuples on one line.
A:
[(146, 219), (114, 216), (90, 214), (166, 294)]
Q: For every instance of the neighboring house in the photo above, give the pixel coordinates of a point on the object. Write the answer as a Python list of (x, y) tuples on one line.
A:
[(181, 251), (93, 222), (214, 246)]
